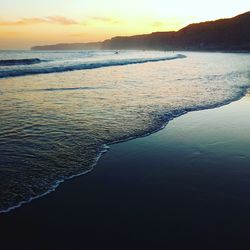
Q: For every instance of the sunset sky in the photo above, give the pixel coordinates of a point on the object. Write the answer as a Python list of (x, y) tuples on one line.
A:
[(24, 23)]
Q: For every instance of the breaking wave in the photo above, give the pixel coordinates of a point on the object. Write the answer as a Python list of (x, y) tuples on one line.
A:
[(80, 66), (13, 62)]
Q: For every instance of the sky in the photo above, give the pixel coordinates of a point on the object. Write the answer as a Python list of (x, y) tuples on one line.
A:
[(25, 23)]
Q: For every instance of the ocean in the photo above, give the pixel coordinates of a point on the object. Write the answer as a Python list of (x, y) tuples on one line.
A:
[(60, 110)]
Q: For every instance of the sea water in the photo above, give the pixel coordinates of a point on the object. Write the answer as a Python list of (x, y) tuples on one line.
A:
[(60, 109)]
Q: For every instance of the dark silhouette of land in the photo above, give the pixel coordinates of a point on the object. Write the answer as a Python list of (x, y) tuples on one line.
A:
[(230, 34), (70, 46)]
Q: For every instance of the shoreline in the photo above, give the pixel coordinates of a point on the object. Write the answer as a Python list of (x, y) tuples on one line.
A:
[(105, 147), (145, 203)]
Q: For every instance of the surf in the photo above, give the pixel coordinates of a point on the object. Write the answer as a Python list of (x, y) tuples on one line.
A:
[(74, 65), (12, 62)]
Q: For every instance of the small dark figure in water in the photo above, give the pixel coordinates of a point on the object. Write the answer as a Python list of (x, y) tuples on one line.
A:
[(116, 52)]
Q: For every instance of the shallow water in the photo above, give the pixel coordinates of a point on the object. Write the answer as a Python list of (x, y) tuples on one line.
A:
[(54, 126)]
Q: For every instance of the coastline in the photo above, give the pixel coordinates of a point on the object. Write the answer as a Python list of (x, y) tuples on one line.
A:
[(133, 198), (105, 147)]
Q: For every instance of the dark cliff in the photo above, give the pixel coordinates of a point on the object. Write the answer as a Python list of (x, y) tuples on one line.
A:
[(231, 34), (69, 46), (224, 34)]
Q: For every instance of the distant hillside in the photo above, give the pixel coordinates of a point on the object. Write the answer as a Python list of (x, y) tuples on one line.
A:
[(70, 46), (231, 34), (224, 34)]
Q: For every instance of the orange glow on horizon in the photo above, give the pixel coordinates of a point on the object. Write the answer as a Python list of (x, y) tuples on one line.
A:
[(66, 21)]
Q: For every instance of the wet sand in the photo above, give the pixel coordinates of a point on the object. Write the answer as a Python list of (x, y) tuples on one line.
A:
[(184, 187)]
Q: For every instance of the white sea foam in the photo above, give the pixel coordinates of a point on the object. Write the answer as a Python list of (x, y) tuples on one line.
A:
[(30, 67)]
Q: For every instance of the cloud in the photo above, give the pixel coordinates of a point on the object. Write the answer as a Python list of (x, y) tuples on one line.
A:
[(77, 34), (105, 19), (10, 33), (168, 23), (61, 20), (158, 24)]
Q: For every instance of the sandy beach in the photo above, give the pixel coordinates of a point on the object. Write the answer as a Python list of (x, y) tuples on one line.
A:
[(125, 125), (184, 187)]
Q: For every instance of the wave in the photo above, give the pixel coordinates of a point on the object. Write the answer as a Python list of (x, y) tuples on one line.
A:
[(65, 89), (104, 148), (67, 141), (86, 65), (56, 184), (13, 62)]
